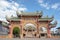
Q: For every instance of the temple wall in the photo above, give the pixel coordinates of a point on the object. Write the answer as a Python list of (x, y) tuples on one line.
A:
[(15, 24), (4, 36), (24, 22), (8, 36), (28, 21), (43, 24), (55, 37)]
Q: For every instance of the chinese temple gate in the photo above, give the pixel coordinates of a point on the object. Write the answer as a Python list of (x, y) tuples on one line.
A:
[(31, 24)]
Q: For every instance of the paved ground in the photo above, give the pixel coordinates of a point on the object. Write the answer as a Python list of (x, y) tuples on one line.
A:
[(31, 39)]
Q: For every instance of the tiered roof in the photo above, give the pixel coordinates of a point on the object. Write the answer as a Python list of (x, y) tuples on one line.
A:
[(52, 25), (29, 13), (46, 19), (5, 24), (13, 18), (58, 28), (39, 14)]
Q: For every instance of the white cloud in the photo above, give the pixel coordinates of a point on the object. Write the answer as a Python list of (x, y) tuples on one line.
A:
[(55, 6), (40, 1), (47, 5), (22, 9), (9, 8), (16, 4)]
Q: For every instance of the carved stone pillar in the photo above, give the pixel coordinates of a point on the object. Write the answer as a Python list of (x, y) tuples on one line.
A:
[(37, 27), (10, 32), (21, 35), (48, 31)]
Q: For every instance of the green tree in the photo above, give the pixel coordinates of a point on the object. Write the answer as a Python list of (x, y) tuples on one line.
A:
[(16, 31)]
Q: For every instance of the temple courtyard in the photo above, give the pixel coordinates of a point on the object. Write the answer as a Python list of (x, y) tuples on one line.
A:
[(30, 39)]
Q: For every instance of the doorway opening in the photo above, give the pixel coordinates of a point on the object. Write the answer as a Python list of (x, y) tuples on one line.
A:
[(42, 35), (16, 32)]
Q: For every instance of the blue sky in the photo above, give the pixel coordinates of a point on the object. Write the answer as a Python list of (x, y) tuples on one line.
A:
[(49, 7)]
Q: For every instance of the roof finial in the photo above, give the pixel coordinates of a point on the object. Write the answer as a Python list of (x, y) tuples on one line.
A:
[(37, 11), (47, 16), (21, 11), (41, 11), (12, 16), (6, 17), (52, 16), (55, 22)]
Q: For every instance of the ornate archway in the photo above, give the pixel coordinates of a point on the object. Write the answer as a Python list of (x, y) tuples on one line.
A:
[(43, 29), (29, 29), (16, 32), (43, 32)]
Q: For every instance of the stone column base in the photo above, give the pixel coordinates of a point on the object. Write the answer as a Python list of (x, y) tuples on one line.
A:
[(37, 35), (10, 36), (21, 36), (49, 35)]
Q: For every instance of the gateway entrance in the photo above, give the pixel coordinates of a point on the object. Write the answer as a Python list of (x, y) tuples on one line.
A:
[(16, 32), (43, 35), (29, 30), (29, 24)]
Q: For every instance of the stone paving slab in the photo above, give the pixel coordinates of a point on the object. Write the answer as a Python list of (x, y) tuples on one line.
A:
[(30, 39)]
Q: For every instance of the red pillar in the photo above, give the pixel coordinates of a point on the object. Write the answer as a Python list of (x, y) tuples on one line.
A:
[(10, 32), (37, 27), (21, 28), (48, 30)]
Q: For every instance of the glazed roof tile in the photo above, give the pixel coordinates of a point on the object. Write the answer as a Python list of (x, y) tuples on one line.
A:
[(29, 13)]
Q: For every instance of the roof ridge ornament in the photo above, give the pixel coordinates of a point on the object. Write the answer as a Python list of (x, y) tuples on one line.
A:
[(52, 16), (52, 25), (37, 11), (41, 11), (21, 11), (7, 17), (46, 16), (55, 22), (12, 16)]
